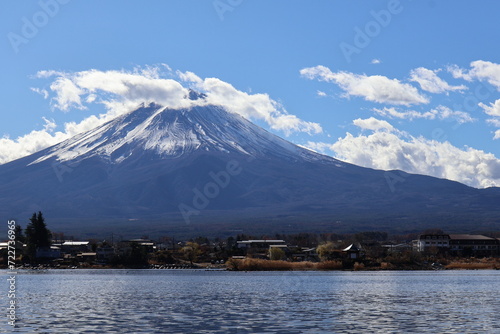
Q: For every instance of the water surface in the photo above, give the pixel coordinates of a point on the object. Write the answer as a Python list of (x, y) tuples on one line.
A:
[(197, 301)]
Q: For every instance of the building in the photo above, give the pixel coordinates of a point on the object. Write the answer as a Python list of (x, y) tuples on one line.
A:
[(86, 257), (458, 244), (305, 254), (75, 247), (126, 246), (473, 245), (260, 248), (353, 251), (19, 246), (147, 244), (260, 244), (52, 252), (399, 248), (283, 248), (438, 242)]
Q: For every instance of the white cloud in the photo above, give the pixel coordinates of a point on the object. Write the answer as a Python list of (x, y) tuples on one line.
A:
[(42, 92), (480, 70), (123, 91), (317, 146), (458, 72), (443, 112), (48, 73), (493, 109), (50, 125), (408, 114), (320, 93), (68, 94), (497, 134), (136, 87), (32, 142), (36, 140), (440, 112), (494, 121), (485, 70), (89, 123), (189, 77), (373, 124), (430, 82), (375, 61), (374, 88), (392, 150), (254, 106)]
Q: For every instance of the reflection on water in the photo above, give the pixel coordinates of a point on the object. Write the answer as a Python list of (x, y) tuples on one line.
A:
[(192, 301)]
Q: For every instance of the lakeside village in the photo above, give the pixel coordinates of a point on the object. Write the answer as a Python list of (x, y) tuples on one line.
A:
[(36, 247)]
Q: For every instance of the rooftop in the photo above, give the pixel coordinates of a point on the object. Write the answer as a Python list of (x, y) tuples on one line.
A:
[(75, 243), (434, 236), (469, 237), (261, 241), (351, 248)]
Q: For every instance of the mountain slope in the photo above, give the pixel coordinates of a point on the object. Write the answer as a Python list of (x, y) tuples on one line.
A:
[(162, 169)]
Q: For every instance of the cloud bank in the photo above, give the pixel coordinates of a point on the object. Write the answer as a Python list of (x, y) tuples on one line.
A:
[(387, 148), (375, 88), (123, 91)]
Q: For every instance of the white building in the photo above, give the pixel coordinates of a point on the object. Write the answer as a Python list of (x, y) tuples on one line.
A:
[(436, 241)]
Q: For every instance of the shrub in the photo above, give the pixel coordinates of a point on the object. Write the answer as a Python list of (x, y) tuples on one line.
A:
[(330, 265), (358, 266), (471, 266), (250, 264)]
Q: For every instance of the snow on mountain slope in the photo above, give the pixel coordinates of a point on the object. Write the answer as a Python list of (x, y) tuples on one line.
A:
[(148, 164), (171, 133)]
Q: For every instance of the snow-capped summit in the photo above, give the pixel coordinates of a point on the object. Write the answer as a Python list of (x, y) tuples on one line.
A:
[(171, 133)]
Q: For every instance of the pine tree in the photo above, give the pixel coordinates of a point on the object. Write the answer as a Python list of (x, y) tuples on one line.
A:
[(20, 234), (37, 235)]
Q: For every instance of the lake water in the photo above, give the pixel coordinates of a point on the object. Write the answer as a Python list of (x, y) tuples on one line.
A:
[(197, 301)]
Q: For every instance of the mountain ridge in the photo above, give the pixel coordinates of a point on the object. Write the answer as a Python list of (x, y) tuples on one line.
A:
[(153, 164)]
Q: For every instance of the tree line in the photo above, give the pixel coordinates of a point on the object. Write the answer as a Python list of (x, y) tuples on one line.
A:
[(36, 235)]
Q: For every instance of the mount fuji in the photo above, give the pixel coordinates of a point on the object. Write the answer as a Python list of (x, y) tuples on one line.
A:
[(204, 170)]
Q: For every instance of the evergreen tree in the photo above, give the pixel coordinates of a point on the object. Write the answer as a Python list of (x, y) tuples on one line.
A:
[(37, 235), (19, 234)]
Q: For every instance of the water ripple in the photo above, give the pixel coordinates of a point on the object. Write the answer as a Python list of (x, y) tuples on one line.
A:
[(190, 301)]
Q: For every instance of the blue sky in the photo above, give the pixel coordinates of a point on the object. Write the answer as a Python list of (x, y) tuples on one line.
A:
[(409, 85)]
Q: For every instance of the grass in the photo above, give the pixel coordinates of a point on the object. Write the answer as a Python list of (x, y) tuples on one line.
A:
[(250, 264), (480, 264), (329, 265)]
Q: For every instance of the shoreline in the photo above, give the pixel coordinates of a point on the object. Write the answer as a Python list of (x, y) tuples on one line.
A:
[(282, 266)]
